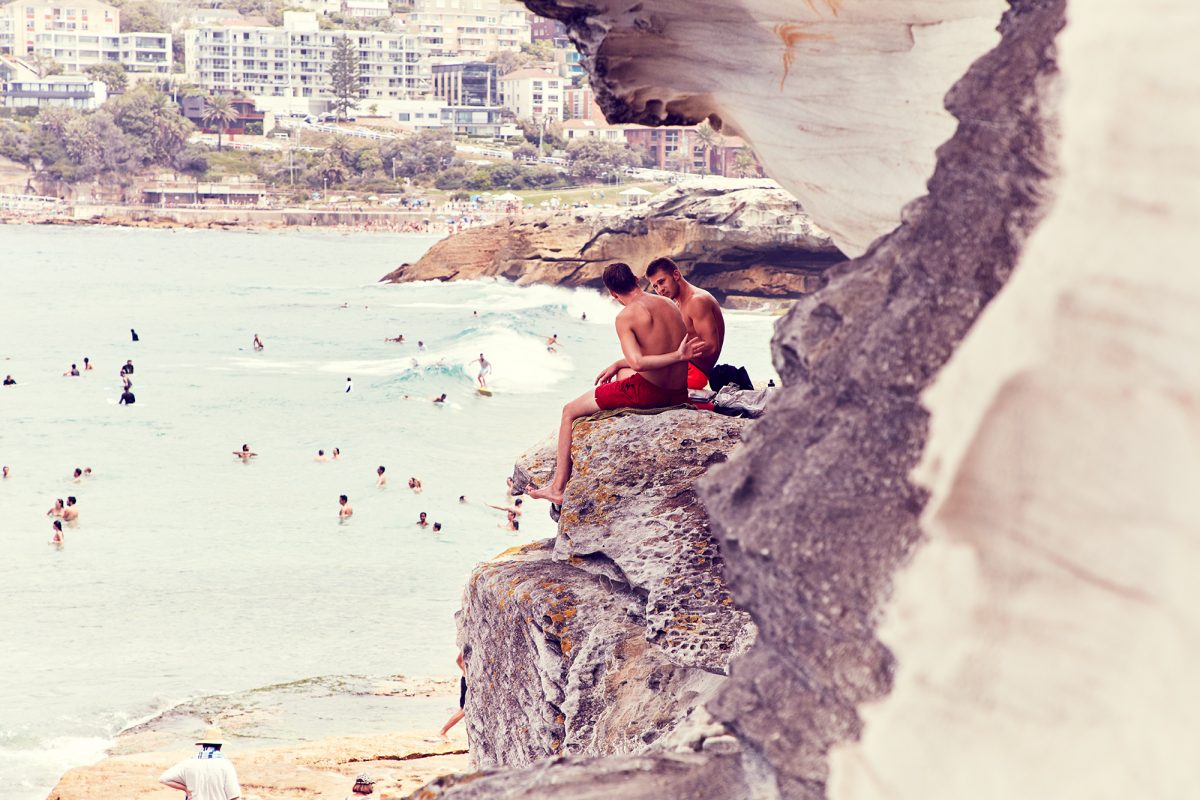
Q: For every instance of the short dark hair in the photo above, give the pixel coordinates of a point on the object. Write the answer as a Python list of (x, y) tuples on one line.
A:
[(343, 498), (619, 279), (661, 264), (516, 524)]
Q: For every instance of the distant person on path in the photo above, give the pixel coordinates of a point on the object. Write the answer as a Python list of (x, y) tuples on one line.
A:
[(128, 368), (207, 776), (8, 381), (701, 314), (73, 371), (485, 369), (127, 398), (257, 344), (70, 513), (244, 454), (381, 480), (57, 538), (57, 509), (462, 701), (133, 333), (86, 364), (349, 386), (652, 373), (346, 511)]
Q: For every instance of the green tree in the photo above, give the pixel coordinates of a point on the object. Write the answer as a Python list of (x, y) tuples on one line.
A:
[(709, 140), (588, 159), (526, 152), (143, 17), (219, 113), (744, 163), (156, 129), (344, 75), (45, 66), (369, 162), (111, 74)]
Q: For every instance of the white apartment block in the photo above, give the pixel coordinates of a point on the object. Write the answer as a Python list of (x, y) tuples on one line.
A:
[(293, 61), (78, 34), (469, 30), (366, 9), (65, 91), (533, 94)]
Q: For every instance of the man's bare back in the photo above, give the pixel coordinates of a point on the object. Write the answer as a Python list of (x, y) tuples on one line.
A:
[(657, 327)]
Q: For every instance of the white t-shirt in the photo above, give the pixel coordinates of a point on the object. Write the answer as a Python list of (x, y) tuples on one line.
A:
[(205, 778)]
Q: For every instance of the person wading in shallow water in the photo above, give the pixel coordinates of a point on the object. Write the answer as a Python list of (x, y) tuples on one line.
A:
[(652, 373)]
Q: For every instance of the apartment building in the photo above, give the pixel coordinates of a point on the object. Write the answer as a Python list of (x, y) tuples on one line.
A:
[(594, 129), (532, 94), (79, 34), (366, 9), (469, 83), (468, 29), (65, 91), (288, 68)]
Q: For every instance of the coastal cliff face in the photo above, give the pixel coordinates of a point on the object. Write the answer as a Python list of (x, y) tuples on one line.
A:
[(745, 241), (611, 637)]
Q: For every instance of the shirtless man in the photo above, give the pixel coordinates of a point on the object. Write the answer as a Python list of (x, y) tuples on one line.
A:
[(258, 345), (652, 373), (78, 476), (701, 315), (422, 521), (552, 343), (398, 340), (73, 371), (321, 456), (244, 454), (345, 511), (380, 481), (514, 510), (70, 513)]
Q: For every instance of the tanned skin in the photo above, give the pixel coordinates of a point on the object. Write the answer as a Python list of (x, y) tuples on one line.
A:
[(701, 313)]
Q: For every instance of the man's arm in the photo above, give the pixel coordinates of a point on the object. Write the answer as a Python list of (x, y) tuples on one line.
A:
[(610, 372), (689, 348)]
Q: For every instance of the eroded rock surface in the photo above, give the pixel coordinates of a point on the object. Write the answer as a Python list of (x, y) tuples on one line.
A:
[(841, 99), (609, 638), (740, 239)]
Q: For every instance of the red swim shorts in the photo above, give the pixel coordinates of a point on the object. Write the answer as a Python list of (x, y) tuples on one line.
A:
[(696, 378), (637, 392)]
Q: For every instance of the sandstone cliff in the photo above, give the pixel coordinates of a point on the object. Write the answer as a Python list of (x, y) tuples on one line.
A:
[(611, 637), (1044, 636), (745, 241)]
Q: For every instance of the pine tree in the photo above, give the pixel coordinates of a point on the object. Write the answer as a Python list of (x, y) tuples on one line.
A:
[(344, 74)]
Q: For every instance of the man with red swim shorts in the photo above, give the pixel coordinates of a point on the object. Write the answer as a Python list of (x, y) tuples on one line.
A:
[(652, 373), (701, 314)]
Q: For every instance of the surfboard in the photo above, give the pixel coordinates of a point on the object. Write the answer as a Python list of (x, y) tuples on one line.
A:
[(484, 392)]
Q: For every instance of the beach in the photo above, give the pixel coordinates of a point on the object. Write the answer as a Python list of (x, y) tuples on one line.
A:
[(195, 578)]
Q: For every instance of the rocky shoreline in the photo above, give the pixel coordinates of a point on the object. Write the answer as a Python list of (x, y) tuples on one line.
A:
[(748, 242)]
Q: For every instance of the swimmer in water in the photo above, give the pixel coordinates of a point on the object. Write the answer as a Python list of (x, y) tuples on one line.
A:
[(511, 524), (133, 334), (57, 509), (87, 472), (57, 538), (127, 369), (421, 522), (8, 381), (398, 340), (437, 527), (552, 343), (244, 454), (583, 316), (126, 384), (4, 473), (415, 485), (73, 371), (420, 346), (86, 364), (380, 481), (321, 456), (462, 498), (127, 398), (485, 369), (257, 344), (349, 386), (78, 476), (514, 509), (441, 398), (336, 454), (345, 511), (70, 513)]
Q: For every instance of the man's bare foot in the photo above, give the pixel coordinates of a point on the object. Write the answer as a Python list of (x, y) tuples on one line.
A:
[(555, 496)]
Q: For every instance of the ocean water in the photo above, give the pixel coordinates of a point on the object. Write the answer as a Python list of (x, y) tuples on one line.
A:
[(196, 586)]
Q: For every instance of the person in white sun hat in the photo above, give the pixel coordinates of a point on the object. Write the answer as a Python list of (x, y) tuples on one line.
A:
[(206, 776)]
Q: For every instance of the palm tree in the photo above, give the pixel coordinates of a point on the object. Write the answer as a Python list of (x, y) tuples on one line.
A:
[(708, 139), (219, 113), (744, 163)]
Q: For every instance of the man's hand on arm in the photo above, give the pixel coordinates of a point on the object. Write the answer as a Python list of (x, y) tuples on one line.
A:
[(692, 347), (610, 372)]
